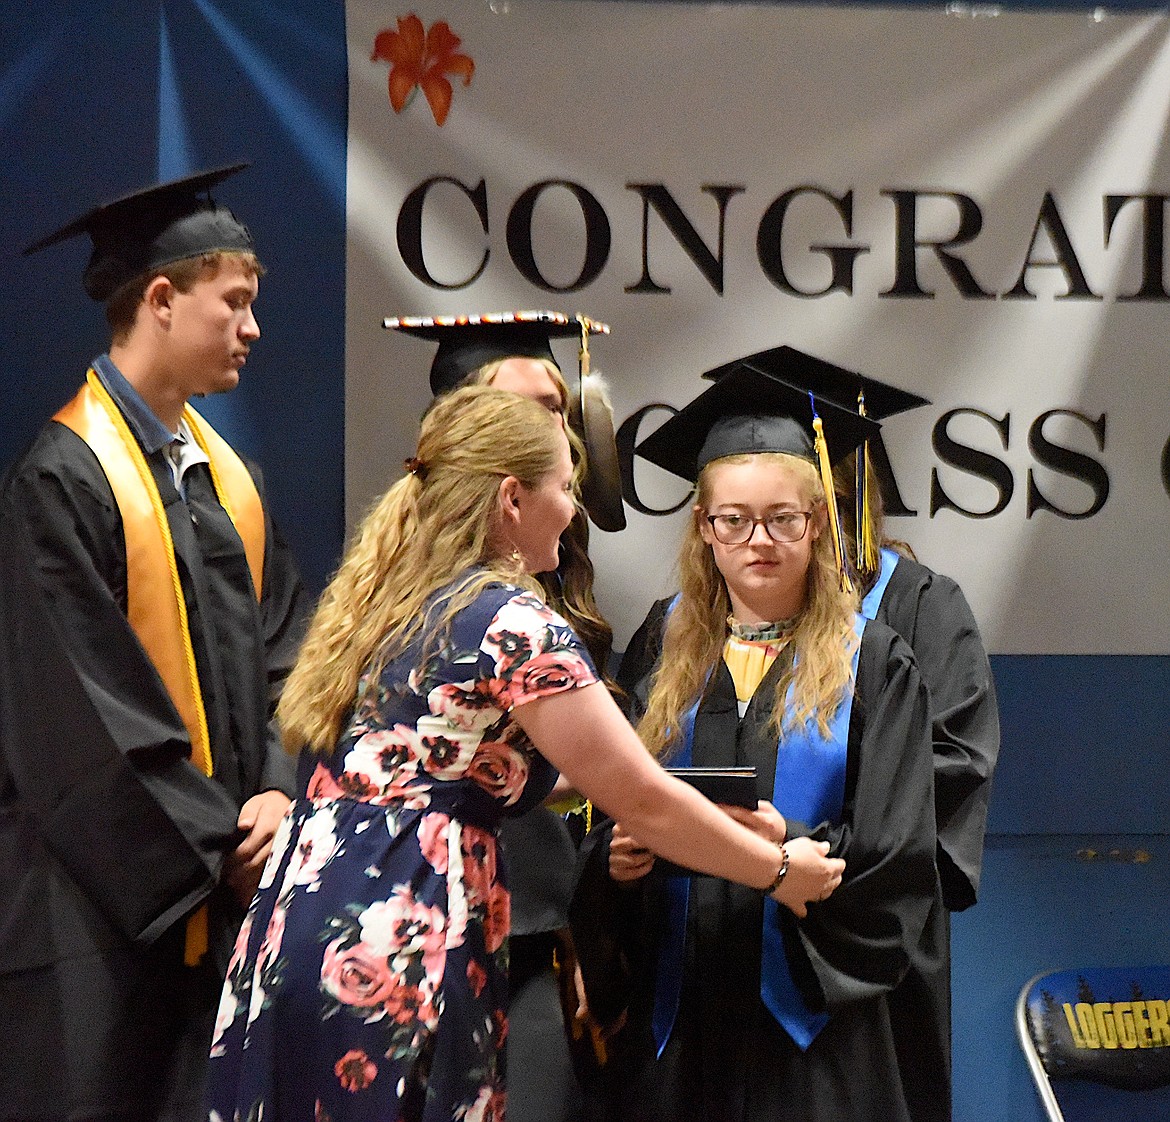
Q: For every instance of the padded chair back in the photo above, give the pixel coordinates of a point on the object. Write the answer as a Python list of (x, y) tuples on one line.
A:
[(1097, 1041)]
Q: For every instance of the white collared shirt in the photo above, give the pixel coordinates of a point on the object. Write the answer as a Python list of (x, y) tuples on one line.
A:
[(182, 452)]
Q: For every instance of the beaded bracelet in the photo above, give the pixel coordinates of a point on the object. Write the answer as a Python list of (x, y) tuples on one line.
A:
[(781, 873)]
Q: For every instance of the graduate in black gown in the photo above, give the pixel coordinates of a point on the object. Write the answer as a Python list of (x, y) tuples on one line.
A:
[(929, 611), (737, 1011), (512, 351), (149, 612)]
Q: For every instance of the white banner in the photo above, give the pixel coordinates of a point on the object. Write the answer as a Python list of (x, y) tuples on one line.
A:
[(969, 207)]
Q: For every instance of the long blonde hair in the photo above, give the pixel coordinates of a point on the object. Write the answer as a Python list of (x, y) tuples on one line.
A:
[(569, 589), (822, 644), (433, 525)]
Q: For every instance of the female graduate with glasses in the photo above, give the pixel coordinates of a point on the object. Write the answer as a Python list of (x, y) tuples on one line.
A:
[(740, 1010), (928, 609)]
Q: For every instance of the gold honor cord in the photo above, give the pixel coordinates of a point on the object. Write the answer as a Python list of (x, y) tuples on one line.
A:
[(156, 607), (826, 469)]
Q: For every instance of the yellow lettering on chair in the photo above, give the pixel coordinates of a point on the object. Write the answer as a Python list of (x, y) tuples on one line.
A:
[(1159, 1023), (1103, 1015), (1088, 1025), (1123, 1021), (1141, 1024)]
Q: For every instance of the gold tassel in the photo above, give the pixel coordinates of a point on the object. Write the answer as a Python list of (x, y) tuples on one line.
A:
[(583, 353), (826, 468), (868, 547)]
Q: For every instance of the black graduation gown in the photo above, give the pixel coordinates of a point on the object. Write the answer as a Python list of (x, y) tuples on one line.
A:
[(727, 1059), (541, 861), (109, 836), (930, 612)]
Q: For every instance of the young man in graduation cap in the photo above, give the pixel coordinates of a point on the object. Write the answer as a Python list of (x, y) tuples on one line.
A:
[(739, 1011), (931, 613), (513, 351), (148, 613)]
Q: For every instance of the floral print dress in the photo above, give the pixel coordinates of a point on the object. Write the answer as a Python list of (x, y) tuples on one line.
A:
[(369, 980)]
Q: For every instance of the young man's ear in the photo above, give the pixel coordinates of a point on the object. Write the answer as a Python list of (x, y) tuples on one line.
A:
[(158, 298)]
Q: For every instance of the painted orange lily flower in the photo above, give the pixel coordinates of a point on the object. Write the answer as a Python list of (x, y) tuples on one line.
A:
[(420, 60)]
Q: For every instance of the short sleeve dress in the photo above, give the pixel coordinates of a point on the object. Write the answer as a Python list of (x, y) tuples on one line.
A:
[(369, 980)]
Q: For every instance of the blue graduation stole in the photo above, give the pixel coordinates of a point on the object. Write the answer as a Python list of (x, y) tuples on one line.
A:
[(810, 788), (873, 598)]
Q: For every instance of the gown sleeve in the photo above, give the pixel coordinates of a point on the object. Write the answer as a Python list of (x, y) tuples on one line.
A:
[(285, 607), (640, 657), (935, 619), (859, 942), (93, 749)]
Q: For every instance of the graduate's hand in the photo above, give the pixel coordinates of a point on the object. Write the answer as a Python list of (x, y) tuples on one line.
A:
[(812, 875), (628, 858), (584, 1018), (259, 818), (765, 820)]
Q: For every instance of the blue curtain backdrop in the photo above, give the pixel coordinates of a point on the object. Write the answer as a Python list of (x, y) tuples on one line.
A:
[(98, 99)]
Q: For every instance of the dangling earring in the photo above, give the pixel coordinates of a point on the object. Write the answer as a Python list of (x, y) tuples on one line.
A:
[(516, 556)]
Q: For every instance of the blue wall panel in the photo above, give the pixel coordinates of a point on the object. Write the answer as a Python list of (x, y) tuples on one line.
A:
[(1086, 744)]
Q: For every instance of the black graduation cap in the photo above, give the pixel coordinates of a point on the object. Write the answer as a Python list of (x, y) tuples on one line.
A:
[(151, 228), (849, 390), (826, 381), (746, 411), (468, 342)]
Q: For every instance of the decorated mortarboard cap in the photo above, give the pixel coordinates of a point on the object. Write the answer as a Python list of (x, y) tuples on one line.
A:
[(469, 342), (152, 228), (826, 381), (748, 411)]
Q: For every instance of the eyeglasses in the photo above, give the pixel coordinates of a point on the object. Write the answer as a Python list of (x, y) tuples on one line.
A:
[(735, 529)]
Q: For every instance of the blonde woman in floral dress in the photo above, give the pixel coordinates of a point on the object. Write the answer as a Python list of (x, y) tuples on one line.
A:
[(435, 693)]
